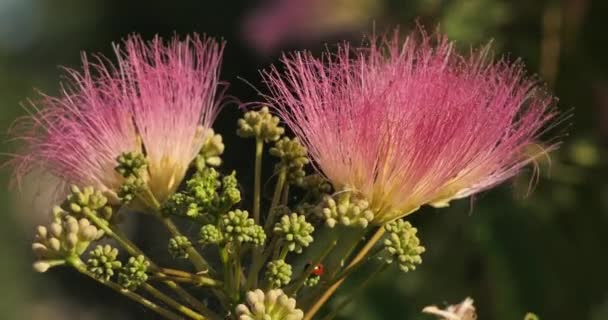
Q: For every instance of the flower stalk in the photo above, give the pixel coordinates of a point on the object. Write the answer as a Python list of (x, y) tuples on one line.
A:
[(77, 264), (257, 184), (330, 291)]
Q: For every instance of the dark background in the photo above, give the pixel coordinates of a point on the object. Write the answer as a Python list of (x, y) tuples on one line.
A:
[(512, 252)]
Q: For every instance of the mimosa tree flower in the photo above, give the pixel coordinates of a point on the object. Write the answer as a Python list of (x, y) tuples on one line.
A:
[(404, 124), (158, 99)]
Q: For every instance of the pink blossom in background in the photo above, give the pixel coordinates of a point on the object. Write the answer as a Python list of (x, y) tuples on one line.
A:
[(279, 22), (158, 98), (411, 123)]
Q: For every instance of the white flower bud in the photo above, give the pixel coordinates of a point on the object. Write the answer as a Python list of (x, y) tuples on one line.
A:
[(41, 266), (56, 229), (55, 244)]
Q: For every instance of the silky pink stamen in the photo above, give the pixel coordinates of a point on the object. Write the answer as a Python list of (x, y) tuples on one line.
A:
[(158, 99), (410, 123)]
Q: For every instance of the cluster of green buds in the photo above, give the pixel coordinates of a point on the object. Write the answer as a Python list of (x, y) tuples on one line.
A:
[(103, 262), (294, 231), (345, 208), (132, 167), (210, 234), (181, 204), (205, 196), (260, 125), (178, 247), (312, 280), (212, 149), (402, 245), (293, 156), (134, 273), (64, 239), (84, 203), (272, 305), (278, 273), (237, 227), (104, 265)]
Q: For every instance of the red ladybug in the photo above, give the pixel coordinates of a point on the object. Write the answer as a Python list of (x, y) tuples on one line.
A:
[(318, 270)]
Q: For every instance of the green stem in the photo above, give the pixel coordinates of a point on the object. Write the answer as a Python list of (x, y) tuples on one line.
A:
[(276, 197), (252, 278), (236, 274), (183, 276), (258, 261), (259, 147), (297, 285), (195, 258), (133, 250), (172, 303), (285, 196), (194, 302), (330, 291), (55, 263), (353, 293), (81, 267), (349, 270), (149, 198), (123, 241), (193, 255), (227, 266), (284, 252)]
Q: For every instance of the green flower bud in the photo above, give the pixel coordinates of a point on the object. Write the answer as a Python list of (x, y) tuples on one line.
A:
[(134, 273), (210, 234), (295, 231), (293, 157), (261, 125), (202, 198), (402, 245), (62, 239), (231, 194), (346, 209), (203, 187), (178, 247), (258, 236), (129, 189), (210, 153), (236, 226), (272, 305), (131, 164), (278, 273), (312, 280), (86, 201), (103, 262), (181, 204)]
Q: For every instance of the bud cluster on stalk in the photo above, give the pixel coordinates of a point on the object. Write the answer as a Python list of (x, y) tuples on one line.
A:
[(264, 263)]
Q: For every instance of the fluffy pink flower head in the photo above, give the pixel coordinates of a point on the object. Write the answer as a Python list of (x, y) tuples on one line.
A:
[(158, 99), (409, 123)]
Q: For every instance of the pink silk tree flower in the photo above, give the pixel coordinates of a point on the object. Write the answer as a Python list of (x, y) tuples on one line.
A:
[(159, 99), (406, 123)]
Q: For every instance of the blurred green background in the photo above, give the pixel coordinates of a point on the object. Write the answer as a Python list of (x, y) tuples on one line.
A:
[(545, 252)]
